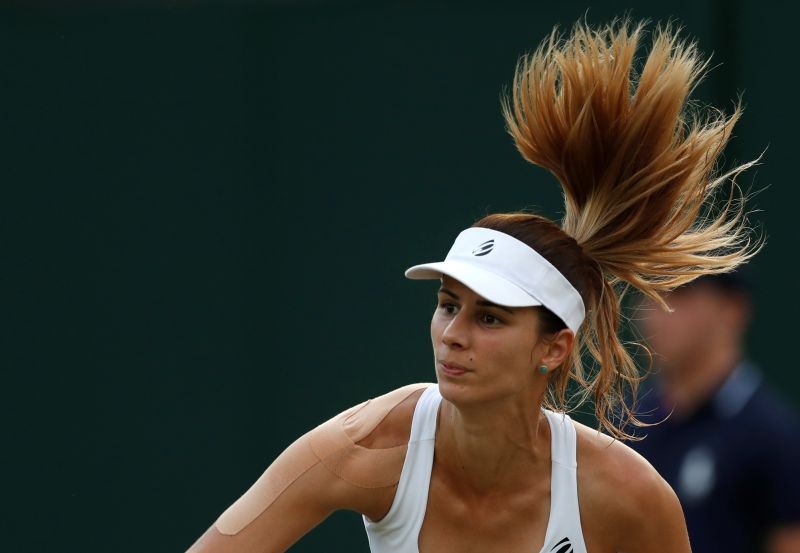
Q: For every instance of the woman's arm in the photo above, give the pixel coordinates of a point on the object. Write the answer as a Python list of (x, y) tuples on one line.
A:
[(325, 470), (653, 521), (294, 494)]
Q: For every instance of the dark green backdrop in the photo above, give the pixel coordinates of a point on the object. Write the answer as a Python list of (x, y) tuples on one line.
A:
[(208, 208)]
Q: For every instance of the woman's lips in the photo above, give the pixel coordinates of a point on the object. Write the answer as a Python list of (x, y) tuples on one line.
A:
[(449, 369)]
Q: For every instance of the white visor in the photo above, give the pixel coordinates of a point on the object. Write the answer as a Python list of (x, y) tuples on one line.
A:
[(506, 271)]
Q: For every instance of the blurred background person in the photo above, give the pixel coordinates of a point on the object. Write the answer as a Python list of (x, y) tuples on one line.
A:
[(731, 446)]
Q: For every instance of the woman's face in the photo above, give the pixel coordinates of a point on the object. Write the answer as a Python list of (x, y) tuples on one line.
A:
[(499, 347)]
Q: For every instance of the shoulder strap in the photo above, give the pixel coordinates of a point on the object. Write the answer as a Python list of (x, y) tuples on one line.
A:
[(564, 532), (423, 426), (401, 524), (563, 441)]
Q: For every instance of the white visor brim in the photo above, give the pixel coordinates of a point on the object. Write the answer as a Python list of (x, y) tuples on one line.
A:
[(507, 272), (489, 285)]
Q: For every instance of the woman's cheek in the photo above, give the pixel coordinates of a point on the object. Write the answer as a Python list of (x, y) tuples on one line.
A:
[(436, 326), (505, 350)]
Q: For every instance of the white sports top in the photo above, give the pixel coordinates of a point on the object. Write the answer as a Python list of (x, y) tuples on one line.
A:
[(398, 531)]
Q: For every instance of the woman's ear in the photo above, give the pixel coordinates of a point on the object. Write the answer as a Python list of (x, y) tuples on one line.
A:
[(558, 347)]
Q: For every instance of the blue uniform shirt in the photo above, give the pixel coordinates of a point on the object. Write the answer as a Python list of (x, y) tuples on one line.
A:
[(734, 463)]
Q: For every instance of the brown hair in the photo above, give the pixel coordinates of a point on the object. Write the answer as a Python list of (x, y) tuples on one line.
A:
[(638, 173)]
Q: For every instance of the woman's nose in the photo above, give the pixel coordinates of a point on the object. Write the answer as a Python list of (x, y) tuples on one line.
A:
[(456, 332)]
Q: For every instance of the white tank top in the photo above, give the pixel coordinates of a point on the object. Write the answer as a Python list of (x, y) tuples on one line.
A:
[(398, 531)]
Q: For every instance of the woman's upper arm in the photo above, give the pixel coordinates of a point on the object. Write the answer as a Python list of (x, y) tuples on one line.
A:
[(655, 519), (293, 495), (322, 471)]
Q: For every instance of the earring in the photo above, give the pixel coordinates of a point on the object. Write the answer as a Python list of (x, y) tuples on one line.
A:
[(543, 369)]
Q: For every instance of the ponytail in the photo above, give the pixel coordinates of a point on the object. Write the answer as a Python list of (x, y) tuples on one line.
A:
[(638, 173)]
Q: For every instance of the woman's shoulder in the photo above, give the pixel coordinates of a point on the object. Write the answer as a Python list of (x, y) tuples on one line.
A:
[(606, 464), (619, 488), (351, 461), (384, 421), (611, 461), (365, 444)]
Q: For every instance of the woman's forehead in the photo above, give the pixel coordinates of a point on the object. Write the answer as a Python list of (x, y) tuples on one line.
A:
[(461, 291), (453, 284)]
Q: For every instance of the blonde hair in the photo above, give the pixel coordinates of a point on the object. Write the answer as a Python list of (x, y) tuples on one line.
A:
[(638, 171)]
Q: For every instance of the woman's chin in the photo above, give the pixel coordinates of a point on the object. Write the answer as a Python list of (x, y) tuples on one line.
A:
[(456, 390), (471, 391)]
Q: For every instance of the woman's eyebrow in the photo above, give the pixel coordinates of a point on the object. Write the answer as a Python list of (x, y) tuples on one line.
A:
[(490, 304), (449, 292), (484, 303)]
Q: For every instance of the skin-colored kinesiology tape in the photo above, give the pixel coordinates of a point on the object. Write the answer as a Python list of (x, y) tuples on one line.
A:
[(334, 444)]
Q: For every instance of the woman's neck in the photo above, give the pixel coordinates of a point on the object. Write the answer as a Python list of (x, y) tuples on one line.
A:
[(493, 448)]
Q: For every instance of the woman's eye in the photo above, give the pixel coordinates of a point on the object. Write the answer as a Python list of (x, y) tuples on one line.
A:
[(446, 307), (491, 319)]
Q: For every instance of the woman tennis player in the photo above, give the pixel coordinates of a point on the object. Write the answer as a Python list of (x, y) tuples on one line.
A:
[(486, 459)]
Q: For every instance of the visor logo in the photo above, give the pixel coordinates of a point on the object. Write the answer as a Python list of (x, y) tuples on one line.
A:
[(564, 546), (484, 248)]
